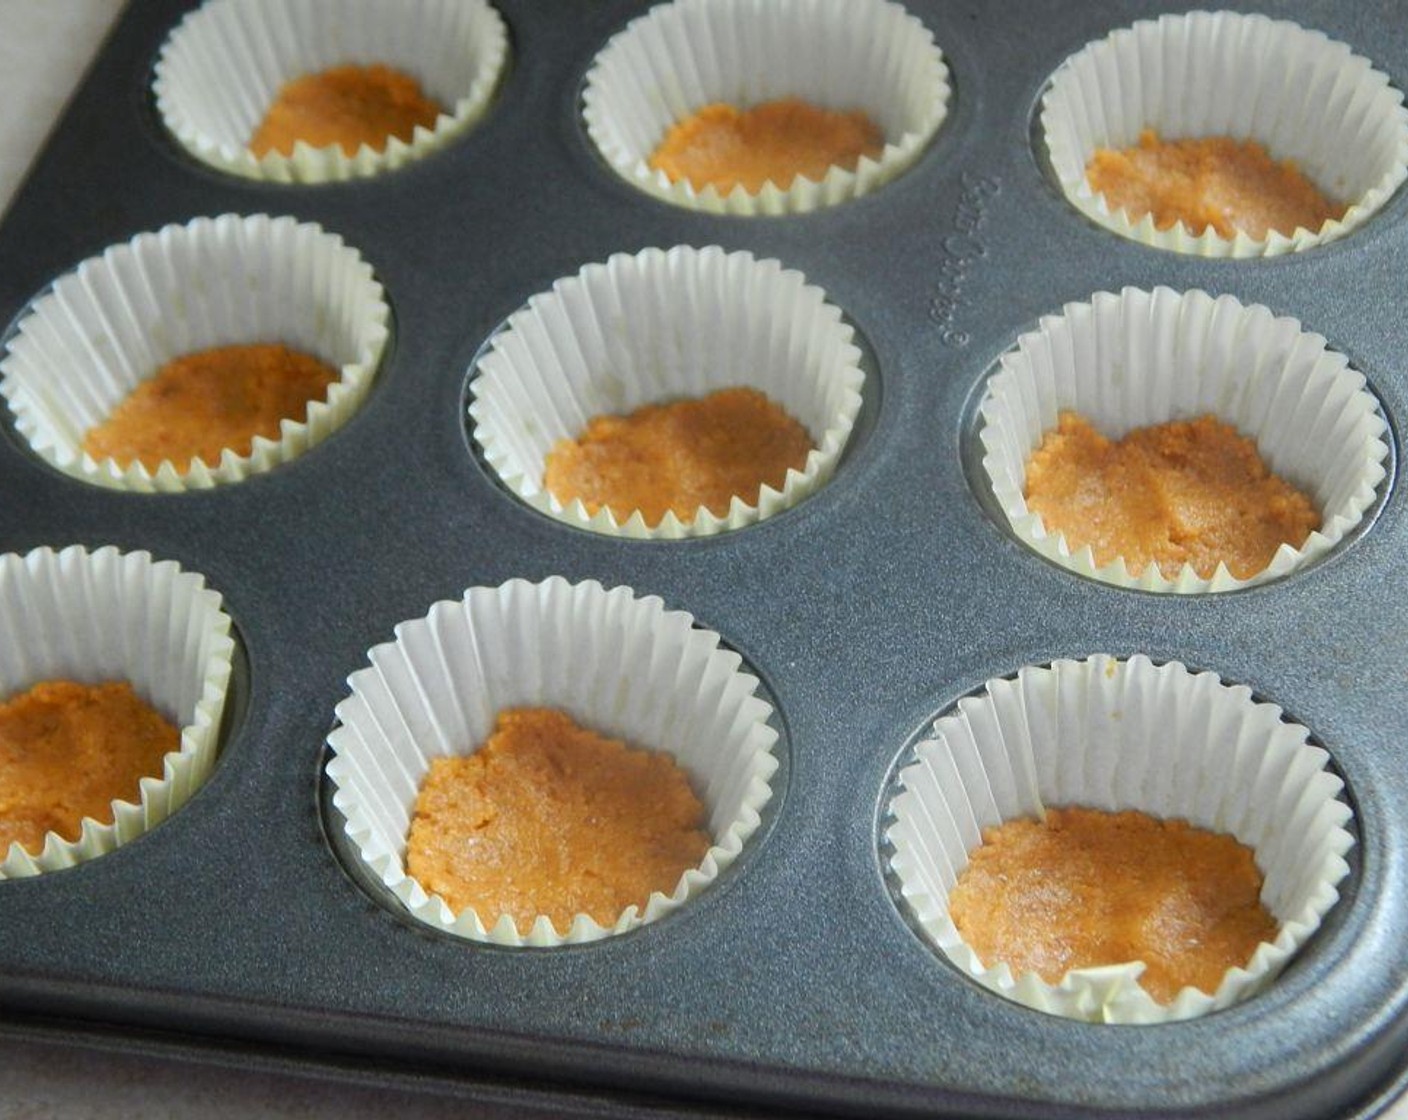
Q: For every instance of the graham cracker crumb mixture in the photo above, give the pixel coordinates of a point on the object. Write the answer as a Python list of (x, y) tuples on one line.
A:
[(348, 106), (548, 817), (200, 404), (1088, 888), (679, 456), (1227, 184), (68, 750), (1189, 491), (775, 142)]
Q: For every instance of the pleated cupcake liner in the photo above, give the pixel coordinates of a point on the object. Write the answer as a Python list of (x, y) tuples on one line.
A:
[(1117, 735), (224, 64), (84, 345), (841, 55), (1302, 96), (1137, 358), (650, 328), (103, 616), (624, 666)]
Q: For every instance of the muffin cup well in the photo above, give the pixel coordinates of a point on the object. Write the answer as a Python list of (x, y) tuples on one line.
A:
[(1114, 735), (83, 346), (623, 666), (1140, 358), (653, 327), (102, 616), (841, 55), (1303, 96), (224, 64)]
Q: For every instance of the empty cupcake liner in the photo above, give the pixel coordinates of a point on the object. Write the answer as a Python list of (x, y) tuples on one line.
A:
[(650, 328), (222, 67), (841, 55), (1113, 735), (103, 616), (83, 346), (1140, 358), (1303, 96), (621, 665)]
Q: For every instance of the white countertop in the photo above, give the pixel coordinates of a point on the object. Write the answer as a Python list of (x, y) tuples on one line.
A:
[(45, 46)]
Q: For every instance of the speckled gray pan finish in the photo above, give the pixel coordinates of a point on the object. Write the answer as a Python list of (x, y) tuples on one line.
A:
[(794, 983)]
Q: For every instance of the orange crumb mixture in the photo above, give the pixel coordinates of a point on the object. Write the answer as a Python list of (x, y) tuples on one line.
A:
[(1227, 184), (1088, 888), (349, 106), (1186, 492), (68, 750), (773, 142), (550, 818), (679, 456), (200, 404)]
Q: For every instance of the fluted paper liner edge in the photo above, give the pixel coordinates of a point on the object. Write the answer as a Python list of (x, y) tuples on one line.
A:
[(1139, 358), (103, 328), (621, 665), (106, 615), (837, 54), (653, 327), (1113, 735), (223, 64), (1303, 96)]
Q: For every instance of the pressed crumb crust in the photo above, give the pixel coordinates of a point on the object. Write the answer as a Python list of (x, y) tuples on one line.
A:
[(200, 404), (1088, 888), (1186, 492), (68, 750), (347, 105), (550, 818), (776, 141), (679, 456), (1227, 184)]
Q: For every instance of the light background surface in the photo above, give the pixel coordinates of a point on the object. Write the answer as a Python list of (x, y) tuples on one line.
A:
[(45, 46)]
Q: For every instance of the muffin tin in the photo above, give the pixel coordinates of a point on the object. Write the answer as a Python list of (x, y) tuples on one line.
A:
[(794, 982)]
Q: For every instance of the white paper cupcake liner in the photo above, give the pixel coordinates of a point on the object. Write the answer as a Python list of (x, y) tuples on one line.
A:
[(1115, 735), (103, 616), (841, 55), (1140, 358), (622, 666), (650, 328), (224, 64), (1303, 96), (83, 346)]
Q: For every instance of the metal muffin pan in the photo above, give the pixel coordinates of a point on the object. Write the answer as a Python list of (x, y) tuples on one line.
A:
[(794, 983)]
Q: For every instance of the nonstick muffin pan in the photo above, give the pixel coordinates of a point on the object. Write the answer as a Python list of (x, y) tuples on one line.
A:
[(795, 982)]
